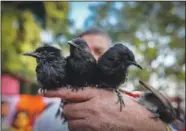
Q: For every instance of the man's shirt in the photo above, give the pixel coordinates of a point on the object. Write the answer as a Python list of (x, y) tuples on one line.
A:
[(48, 122)]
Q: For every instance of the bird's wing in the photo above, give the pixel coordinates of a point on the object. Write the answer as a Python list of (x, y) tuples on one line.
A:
[(111, 59)]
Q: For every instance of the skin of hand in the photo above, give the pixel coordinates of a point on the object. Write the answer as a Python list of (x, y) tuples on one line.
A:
[(97, 110)]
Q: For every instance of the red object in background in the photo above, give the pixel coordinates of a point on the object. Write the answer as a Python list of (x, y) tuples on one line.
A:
[(10, 84)]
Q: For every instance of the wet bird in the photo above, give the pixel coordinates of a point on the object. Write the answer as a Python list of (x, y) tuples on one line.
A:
[(112, 69), (51, 68), (158, 104), (81, 65)]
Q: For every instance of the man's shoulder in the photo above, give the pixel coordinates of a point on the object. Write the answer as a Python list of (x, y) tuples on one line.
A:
[(47, 121)]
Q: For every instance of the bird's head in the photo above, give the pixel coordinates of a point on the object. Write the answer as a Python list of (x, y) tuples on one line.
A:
[(128, 57), (78, 45), (45, 52)]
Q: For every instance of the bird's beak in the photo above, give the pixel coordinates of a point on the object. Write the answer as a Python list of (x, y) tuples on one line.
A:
[(33, 54), (72, 43), (136, 64)]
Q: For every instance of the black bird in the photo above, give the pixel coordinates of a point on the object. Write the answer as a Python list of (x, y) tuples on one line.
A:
[(81, 65), (158, 104), (112, 68), (51, 68)]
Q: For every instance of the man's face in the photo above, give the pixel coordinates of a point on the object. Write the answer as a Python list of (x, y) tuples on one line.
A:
[(98, 44)]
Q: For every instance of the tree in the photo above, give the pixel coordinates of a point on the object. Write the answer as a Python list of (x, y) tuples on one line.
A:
[(155, 31), (22, 23)]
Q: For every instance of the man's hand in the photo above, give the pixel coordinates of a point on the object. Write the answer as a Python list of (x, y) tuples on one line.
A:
[(96, 110)]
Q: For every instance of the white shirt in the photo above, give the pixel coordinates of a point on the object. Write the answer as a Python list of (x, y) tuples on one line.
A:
[(48, 122)]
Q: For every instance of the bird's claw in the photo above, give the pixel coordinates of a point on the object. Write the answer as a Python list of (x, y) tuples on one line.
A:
[(74, 89), (57, 113), (68, 86), (60, 109), (60, 113), (39, 91), (97, 86), (120, 99), (42, 91), (64, 118)]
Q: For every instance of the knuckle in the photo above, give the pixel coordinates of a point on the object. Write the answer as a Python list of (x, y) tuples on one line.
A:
[(72, 126), (66, 108), (94, 108), (92, 112)]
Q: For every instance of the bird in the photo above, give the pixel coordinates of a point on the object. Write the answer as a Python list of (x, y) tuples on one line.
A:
[(81, 65), (158, 104), (50, 69), (112, 68)]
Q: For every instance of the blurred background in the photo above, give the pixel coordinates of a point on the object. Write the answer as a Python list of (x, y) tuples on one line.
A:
[(155, 31)]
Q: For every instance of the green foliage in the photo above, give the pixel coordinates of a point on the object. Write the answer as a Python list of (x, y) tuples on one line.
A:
[(21, 27), (20, 34), (56, 17), (161, 27)]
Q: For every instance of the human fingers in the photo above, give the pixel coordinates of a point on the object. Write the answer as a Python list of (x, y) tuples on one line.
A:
[(74, 96)]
